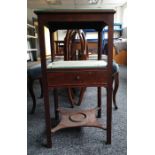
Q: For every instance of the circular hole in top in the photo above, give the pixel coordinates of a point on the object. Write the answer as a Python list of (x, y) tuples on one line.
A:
[(78, 117)]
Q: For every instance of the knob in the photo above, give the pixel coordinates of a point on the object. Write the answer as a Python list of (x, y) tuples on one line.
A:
[(78, 77)]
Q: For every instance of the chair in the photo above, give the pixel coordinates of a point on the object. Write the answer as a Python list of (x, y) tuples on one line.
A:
[(71, 54), (34, 73)]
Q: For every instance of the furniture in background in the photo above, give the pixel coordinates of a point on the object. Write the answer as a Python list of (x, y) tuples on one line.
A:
[(77, 74), (117, 33), (120, 45), (34, 73), (59, 47), (71, 52), (91, 36), (121, 58), (32, 42)]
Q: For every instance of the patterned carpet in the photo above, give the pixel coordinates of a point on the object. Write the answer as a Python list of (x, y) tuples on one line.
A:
[(84, 141)]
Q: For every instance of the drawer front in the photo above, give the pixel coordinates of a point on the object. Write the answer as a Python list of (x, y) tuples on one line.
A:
[(83, 78)]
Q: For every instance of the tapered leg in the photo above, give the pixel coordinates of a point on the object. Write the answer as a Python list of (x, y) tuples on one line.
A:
[(47, 119), (55, 92), (99, 58), (71, 97), (116, 85), (41, 87), (82, 90), (45, 85), (99, 101), (109, 113)]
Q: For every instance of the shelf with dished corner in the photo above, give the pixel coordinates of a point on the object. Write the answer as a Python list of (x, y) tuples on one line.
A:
[(71, 118)]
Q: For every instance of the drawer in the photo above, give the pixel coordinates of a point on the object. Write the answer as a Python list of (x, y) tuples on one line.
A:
[(79, 78)]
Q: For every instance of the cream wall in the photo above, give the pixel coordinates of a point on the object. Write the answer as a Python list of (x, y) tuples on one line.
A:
[(121, 15), (118, 15), (124, 15)]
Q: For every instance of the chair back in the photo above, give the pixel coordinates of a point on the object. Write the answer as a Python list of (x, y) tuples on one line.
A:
[(75, 46)]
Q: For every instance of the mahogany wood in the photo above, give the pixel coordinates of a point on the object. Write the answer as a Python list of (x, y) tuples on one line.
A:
[(45, 86), (77, 78), (78, 118), (59, 47), (77, 19), (55, 92), (72, 52), (52, 45), (109, 88), (99, 58)]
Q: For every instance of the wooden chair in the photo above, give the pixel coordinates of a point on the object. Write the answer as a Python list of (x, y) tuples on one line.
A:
[(73, 53), (34, 73)]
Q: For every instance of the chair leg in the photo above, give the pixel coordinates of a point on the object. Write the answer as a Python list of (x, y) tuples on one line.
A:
[(116, 85), (99, 101), (71, 96), (56, 103), (82, 90), (30, 87), (41, 87)]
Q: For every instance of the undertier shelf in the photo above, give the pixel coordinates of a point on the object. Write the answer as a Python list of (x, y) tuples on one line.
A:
[(78, 118)]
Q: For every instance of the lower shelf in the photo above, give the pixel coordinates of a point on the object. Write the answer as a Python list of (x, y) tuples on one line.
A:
[(78, 118)]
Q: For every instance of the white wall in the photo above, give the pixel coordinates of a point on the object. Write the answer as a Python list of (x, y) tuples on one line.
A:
[(47, 41), (118, 15), (121, 15), (124, 15), (61, 34)]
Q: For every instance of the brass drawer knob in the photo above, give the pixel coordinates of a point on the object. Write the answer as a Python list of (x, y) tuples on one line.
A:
[(77, 77)]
